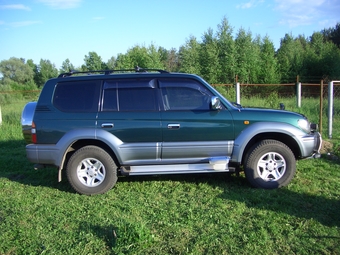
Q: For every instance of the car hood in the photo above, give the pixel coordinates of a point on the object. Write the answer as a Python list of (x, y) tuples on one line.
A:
[(268, 115)]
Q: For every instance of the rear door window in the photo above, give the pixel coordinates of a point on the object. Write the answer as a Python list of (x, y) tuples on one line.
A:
[(130, 95)]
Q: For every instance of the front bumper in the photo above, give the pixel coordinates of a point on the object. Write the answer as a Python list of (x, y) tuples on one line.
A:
[(311, 145), (318, 145)]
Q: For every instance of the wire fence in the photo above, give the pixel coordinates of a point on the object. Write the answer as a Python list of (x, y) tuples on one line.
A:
[(310, 98), (333, 110)]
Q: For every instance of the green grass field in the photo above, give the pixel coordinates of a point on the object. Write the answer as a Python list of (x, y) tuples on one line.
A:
[(180, 214)]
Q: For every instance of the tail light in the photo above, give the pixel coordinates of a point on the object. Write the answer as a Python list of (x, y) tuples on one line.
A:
[(34, 133)]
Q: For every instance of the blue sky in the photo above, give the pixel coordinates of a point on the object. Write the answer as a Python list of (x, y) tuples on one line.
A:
[(61, 29)]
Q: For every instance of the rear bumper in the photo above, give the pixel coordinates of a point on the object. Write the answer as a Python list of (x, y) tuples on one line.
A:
[(42, 154)]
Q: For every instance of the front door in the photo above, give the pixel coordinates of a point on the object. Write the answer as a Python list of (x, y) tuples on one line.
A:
[(191, 130)]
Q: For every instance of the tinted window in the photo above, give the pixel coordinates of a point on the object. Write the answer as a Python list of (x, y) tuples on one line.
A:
[(184, 95), (130, 95), (110, 102), (77, 96)]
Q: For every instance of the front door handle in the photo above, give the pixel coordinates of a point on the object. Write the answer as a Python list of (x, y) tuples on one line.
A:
[(107, 125), (174, 126)]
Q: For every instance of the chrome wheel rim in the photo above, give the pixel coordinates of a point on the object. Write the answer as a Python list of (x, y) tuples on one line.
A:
[(91, 172), (271, 166)]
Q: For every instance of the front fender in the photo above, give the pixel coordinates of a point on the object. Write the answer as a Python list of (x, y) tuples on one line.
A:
[(269, 127)]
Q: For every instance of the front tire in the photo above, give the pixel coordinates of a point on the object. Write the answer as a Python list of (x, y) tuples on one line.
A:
[(91, 170), (270, 164)]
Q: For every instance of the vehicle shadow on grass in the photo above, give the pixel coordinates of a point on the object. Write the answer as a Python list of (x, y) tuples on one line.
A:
[(15, 167), (109, 234), (236, 188), (298, 204)]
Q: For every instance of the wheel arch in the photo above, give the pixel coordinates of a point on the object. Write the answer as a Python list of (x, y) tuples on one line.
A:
[(283, 132), (283, 138), (76, 145), (86, 142)]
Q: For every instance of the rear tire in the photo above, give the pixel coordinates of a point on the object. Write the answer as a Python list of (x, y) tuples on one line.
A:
[(91, 170), (270, 164)]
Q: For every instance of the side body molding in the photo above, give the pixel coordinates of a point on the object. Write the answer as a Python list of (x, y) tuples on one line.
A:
[(130, 153)]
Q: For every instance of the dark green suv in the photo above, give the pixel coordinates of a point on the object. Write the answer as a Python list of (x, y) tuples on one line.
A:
[(146, 122)]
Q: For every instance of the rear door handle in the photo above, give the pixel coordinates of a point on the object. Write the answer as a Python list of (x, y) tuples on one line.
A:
[(107, 125), (174, 126)]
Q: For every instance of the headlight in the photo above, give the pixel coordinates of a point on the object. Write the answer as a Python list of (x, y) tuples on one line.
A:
[(304, 125)]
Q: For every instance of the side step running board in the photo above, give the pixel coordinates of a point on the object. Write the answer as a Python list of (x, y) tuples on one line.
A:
[(215, 165)]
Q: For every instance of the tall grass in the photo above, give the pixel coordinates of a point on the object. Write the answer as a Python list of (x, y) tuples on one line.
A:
[(12, 93)]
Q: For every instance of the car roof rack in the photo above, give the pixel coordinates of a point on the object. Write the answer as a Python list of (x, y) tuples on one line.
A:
[(137, 69)]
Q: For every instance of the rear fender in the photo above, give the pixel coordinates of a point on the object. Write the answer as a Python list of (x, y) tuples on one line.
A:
[(65, 143)]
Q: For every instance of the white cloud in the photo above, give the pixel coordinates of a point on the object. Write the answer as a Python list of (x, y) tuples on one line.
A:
[(15, 7), (98, 18), (250, 4), (61, 4), (296, 13), (245, 5), (24, 23)]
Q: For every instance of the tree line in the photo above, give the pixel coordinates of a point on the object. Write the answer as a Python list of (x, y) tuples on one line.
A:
[(218, 56)]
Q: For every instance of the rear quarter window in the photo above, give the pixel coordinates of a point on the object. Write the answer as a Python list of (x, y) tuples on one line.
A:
[(77, 96)]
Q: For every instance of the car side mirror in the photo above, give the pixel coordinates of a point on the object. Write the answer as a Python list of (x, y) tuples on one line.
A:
[(215, 103)]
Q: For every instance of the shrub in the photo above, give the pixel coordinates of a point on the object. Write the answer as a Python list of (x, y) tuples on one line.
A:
[(273, 100), (336, 148), (12, 91), (227, 91)]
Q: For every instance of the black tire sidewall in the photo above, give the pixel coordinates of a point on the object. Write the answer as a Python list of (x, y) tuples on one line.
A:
[(257, 152), (100, 155)]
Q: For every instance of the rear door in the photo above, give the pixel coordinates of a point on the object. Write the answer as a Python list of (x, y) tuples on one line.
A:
[(130, 112), (192, 131)]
